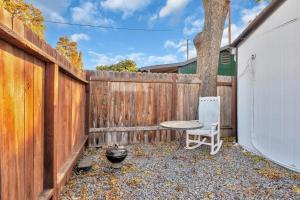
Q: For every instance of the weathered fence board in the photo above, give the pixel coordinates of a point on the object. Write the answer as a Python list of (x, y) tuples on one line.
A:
[(226, 90), (144, 100), (38, 118), (22, 119), (37, 143), (71, 117), (140, 99)]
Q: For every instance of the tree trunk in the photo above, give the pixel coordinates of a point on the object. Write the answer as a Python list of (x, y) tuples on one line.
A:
[(208, 44)]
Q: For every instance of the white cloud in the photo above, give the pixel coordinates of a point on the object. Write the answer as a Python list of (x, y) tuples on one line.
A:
[(88, 12), (55, 5), (54, 16), (79, 36), (235, 31), (140, 58), (173, 6), (192, 52), (125, 6), (104, 59), (152, 19), (166, 59), (192, 24), (247, 15), (173, 44), (181, 48), (53, 9)]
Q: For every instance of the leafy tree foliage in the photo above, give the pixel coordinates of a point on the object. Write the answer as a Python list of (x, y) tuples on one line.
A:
[(27, 13), (122, 66), (69, 49)]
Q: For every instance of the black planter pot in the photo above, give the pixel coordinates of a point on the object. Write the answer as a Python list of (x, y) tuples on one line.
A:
[(116, 155)]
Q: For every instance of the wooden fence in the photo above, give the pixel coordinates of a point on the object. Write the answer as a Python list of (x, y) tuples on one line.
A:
[(139, 99), (45, 112), (226, 87), (143, 100), (42, 120)]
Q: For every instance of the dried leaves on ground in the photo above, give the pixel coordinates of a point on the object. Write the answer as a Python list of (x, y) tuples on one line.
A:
[(168, 171)]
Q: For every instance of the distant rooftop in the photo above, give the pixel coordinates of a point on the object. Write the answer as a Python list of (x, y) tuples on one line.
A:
[(174, 66)]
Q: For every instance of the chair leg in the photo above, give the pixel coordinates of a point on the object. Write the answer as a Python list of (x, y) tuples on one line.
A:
[(187, 140), (215, 147), (212, 144), (197, 143)]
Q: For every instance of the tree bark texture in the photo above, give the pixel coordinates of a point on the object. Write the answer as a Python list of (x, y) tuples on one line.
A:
[(208, 44)]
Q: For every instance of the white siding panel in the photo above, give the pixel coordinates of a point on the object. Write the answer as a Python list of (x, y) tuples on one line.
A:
[(269, 100)]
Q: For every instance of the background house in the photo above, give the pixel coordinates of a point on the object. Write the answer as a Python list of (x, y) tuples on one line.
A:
[(268, 91), (226, 65)]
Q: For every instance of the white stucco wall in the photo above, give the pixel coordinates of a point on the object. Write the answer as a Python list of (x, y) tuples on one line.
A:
[(269, 98)]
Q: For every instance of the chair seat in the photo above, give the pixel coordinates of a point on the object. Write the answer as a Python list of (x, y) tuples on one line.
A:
[(202, 131)]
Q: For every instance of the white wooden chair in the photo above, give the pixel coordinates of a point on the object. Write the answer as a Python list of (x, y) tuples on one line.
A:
[(209, 115)]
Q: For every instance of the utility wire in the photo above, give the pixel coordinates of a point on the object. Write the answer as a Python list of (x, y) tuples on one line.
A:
[(110, 27)]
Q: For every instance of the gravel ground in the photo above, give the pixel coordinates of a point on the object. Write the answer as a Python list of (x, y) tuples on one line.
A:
[(161, 171)]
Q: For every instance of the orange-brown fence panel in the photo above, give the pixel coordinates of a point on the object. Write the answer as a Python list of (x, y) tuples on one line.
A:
[(42, 114)]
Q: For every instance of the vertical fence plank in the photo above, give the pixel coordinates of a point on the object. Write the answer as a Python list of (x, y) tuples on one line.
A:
[(12, 135), (1, 116), (60, 143), (51, 116), (29, 126), (38, 113), (5, 121), (19, 113), (234, 106)]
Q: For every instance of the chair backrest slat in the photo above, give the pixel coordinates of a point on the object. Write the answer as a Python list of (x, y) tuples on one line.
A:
[(209, 110)]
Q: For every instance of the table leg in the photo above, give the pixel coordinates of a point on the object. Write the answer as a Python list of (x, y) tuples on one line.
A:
[(181, 142)]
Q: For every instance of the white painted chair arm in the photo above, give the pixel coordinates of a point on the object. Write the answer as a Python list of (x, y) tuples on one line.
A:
[(214, 126)]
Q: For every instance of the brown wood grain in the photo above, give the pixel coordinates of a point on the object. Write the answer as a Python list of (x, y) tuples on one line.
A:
[(8, 151), (1, 114), (139, 99), (146, 99), (19, 113), (38, 118), (29, 101), (29, 126), (51, 127), (13, 127)]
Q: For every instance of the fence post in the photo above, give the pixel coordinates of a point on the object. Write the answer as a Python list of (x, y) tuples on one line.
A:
[(234, 106), (174, 97), (51, 116), (87, 104), (174, 103)]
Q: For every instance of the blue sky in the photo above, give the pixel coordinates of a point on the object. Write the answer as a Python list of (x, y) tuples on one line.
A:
[(101, 46)]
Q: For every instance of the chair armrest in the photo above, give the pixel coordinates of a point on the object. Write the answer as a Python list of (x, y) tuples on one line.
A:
[(214, 126)]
